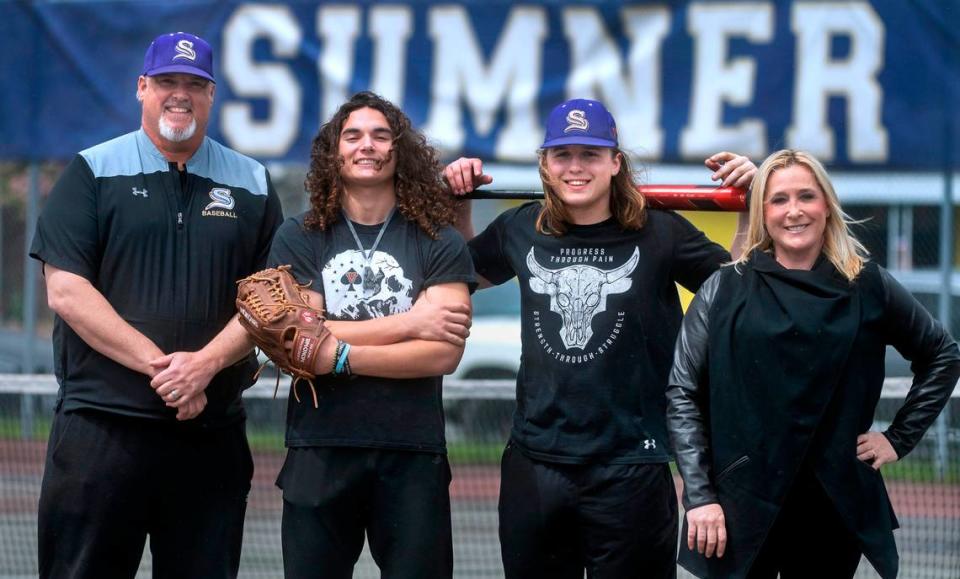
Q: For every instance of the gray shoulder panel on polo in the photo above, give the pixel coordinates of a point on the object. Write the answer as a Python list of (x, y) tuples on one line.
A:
[(228, 167), (134, 153), (124, 156)]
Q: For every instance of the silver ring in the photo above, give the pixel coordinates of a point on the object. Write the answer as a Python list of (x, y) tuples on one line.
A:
[(174, 395)]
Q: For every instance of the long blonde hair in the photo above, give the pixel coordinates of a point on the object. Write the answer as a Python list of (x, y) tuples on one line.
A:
[(627, 203), (844, 251)]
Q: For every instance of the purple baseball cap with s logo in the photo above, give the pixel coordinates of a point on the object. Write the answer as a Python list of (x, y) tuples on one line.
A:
[(179, 52), (580, 122)]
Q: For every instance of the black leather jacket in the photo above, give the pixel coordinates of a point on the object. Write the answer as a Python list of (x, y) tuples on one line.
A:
[(935, 369)]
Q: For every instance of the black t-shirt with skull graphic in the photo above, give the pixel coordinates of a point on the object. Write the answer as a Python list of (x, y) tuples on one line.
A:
[(365, 411), (600, 315)]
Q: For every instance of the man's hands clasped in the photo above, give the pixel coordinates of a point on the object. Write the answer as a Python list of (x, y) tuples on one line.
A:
[(180, 379)]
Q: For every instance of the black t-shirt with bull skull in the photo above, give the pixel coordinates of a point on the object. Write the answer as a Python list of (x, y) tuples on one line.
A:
[(600, 315), (366, 411)]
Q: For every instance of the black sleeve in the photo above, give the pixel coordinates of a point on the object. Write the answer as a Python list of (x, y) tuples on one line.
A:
[(272, 218), (67, 235), (695, 257), (449, 261), (487, 251), (293, 245), (687, 403), (935, 363)]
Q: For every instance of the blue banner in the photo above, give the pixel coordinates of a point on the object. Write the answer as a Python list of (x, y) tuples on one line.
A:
[(859, 84)]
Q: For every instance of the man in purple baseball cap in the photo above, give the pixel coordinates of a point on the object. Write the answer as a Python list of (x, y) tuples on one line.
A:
[(141, 241), (600, 313), (176, 89)]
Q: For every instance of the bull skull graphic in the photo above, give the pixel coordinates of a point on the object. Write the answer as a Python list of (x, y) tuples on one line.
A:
[(578, 293)]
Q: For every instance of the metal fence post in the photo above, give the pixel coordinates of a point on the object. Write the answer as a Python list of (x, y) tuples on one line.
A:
[(27, 401), (946, 267)]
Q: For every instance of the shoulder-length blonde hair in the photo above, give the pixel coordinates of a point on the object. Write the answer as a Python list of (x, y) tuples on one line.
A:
[(844, 251), (627, 203)]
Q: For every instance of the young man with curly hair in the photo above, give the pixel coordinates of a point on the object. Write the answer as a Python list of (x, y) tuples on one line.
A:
[(392, 276)]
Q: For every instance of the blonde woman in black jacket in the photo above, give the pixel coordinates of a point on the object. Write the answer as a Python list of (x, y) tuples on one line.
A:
[(778, 370)]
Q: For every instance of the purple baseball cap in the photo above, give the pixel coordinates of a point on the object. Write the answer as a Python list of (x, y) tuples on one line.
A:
[(580, 122), (179, 52)]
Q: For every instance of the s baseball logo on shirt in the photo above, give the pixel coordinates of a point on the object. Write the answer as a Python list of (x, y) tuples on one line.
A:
[(222, 204), (185, 50)]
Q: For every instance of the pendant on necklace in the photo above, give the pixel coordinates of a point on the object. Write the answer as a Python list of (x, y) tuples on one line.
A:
[(372, 282)]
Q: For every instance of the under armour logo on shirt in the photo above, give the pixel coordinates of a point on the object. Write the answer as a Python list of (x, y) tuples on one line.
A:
[(649, 444), (140, 192)]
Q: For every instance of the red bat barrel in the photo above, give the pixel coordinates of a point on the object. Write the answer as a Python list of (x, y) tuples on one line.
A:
[(695, 197), (682, 197)]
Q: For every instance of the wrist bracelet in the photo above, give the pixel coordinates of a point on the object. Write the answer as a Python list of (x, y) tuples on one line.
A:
[(336, 357), (341, 366), (346, 362)]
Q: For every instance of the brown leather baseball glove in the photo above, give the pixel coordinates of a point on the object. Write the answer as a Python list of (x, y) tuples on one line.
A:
[(276, 313)]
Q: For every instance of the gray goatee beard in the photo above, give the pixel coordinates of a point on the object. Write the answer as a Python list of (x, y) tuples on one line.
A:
[(177, 135)]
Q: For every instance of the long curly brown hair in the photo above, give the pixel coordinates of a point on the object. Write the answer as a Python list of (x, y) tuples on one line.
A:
[(422, 196)]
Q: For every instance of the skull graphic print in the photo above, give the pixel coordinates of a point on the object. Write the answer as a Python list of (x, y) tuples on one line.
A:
[(578, 293)]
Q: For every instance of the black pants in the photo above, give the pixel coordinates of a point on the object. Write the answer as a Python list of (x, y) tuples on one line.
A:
[(110, 481), (332, 496), (615, 521), (808, 539)]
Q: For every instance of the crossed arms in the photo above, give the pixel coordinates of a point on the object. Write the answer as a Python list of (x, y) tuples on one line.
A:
[(427, 340)]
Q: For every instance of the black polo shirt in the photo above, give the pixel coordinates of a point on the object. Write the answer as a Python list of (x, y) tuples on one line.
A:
[(165, 250)]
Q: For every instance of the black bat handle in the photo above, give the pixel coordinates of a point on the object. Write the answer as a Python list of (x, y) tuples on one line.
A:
[(503, 194)]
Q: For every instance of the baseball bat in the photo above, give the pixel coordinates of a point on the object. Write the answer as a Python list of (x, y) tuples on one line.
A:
[(682, 197)]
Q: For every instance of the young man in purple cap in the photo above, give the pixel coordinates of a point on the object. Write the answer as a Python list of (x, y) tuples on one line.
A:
[(142, 240), (585, 481)]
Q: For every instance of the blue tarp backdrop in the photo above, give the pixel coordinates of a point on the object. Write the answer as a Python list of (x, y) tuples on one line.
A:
[(860, 84)]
